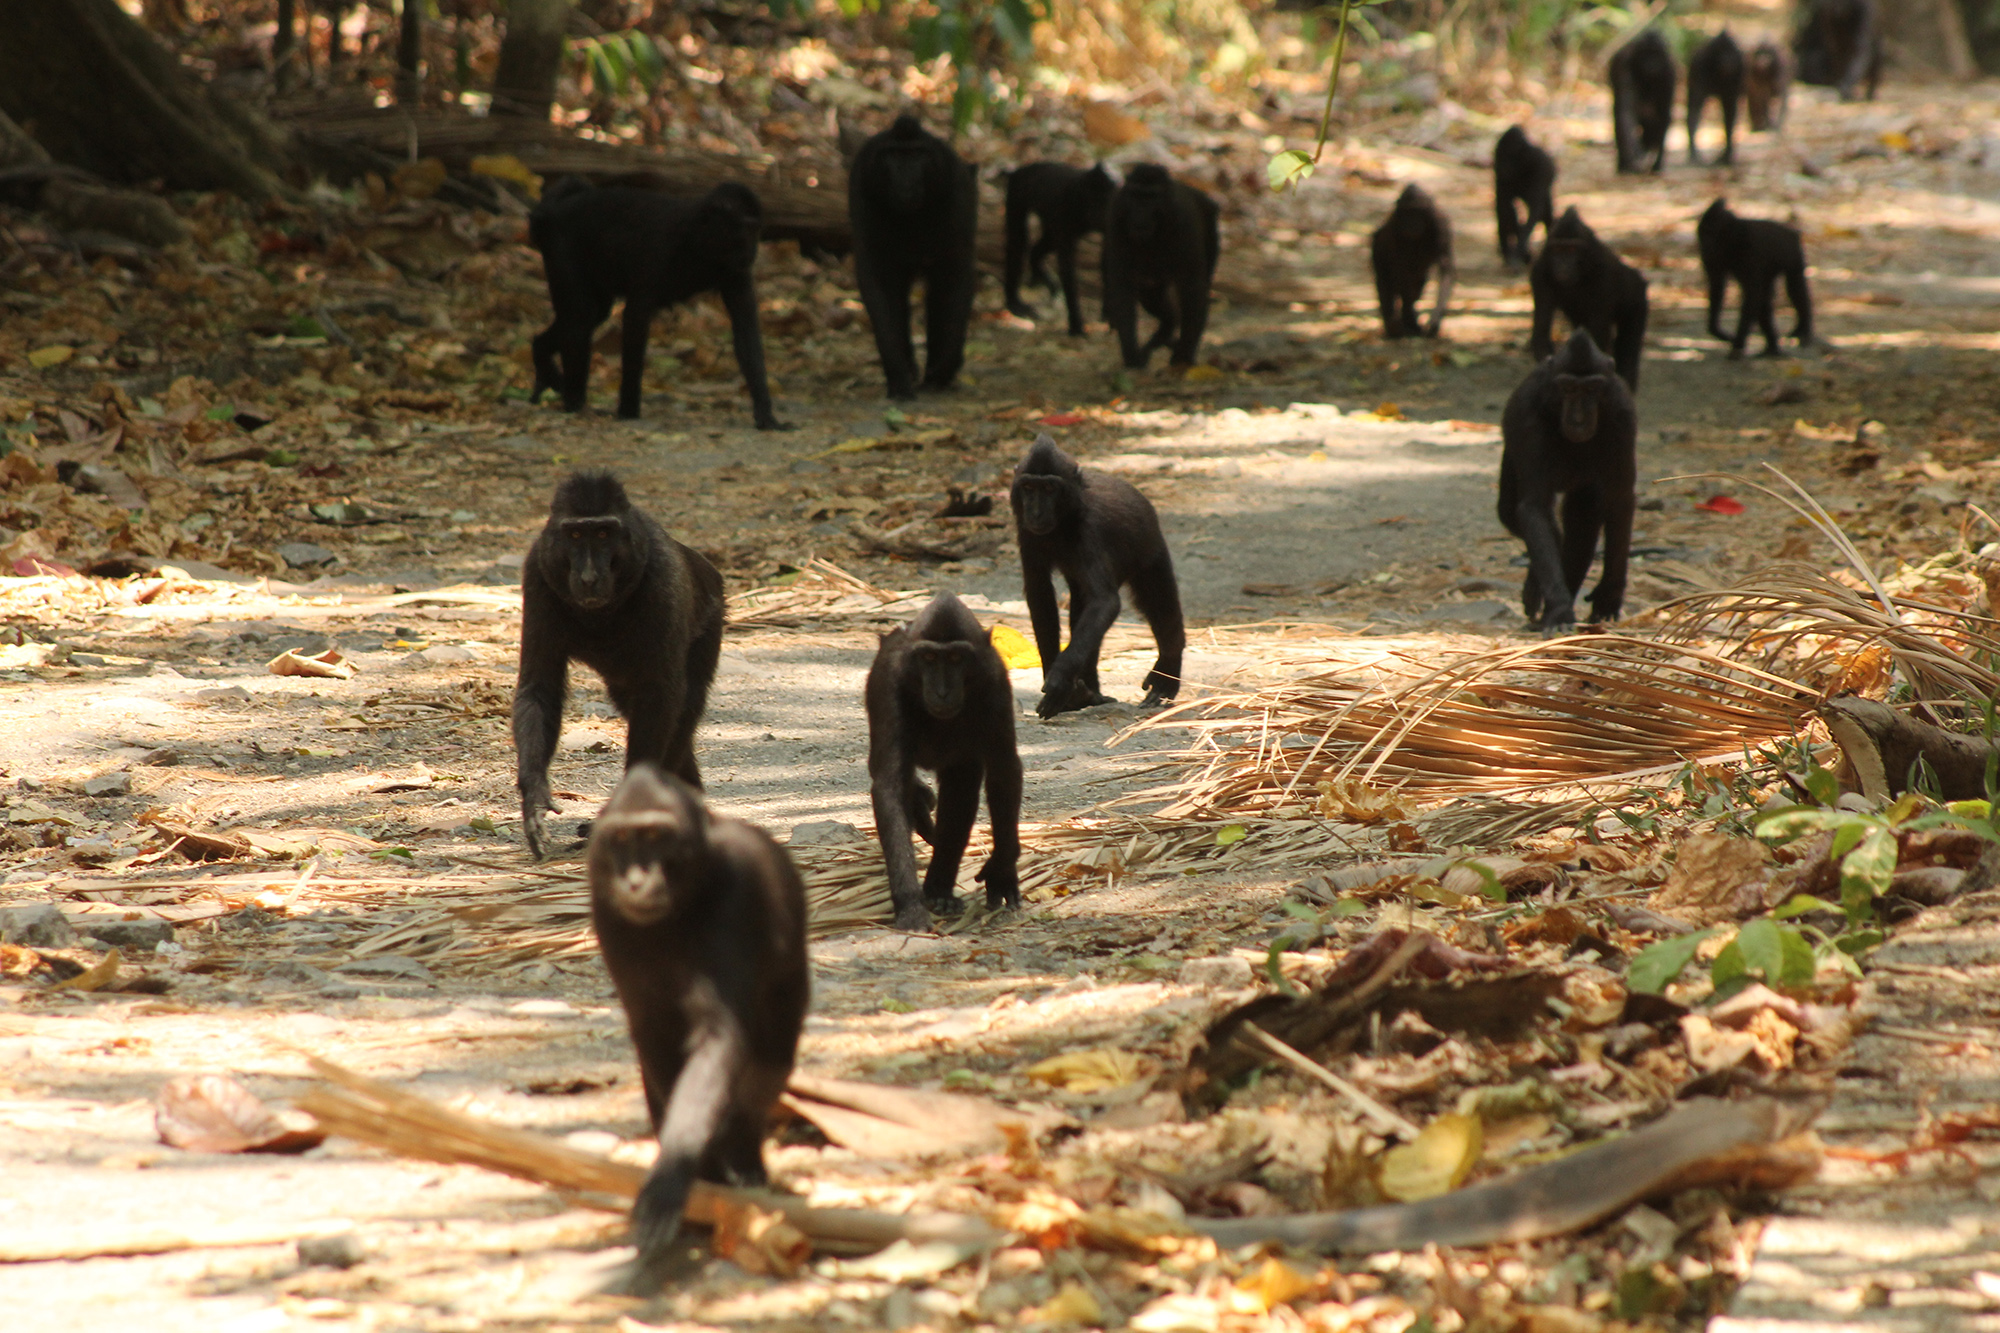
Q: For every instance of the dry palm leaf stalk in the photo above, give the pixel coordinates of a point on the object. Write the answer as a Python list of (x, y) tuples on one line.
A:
[(1562, 715), (360, 1108)]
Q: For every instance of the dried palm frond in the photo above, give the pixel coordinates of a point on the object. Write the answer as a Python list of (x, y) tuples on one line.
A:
[(1585, 712), (1795, 620), (821, 590)]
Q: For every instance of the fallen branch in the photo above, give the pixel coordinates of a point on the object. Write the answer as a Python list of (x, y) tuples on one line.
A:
[(372, 1112), (239, 1237), (1883, 748), (1385, 1120), (1702, 1142)]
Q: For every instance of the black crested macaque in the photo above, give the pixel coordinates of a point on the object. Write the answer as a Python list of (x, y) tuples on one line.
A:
[(1594, 289), (1767, 86), (655, 251), (1715, 70), (1414, 239), (1756, 252), (1839, 44), (914, 207), (1643, 77), (939, 698), (1521, 171), (1161, 241), (702, 922), (1071, 203), (1102, 535), (1570, 430), (605, 585)]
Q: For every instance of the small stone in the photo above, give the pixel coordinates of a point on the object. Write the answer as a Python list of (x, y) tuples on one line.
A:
[(1476, 612), (223, 694), (109, 784), (145, 934), (40, 925), (342, 1251), (389, 965), (164, 757), (1226, 972), (825, 833), (305, 555), (89, 659), (291, 972), (1481, 585), (448, 654), (543, 1008)]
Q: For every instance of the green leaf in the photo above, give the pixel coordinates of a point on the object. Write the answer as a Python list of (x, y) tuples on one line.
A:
[(485, 824), (1799, 965), (1657, 964), (1822, 785), (386, 853), (1795, 823), (1847, 835), (1859, 941), (1728, 973), (220, 412), (1866, 871), (892, 1005), (1489, 883), (1289, 167), (301, 326), (1276, 972), (1762, 949), (1230, 834), (1299, 911), (1799, 904)]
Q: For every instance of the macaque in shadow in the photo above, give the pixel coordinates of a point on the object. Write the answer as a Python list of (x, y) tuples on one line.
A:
[(1767, 86), (939, 698), (1839, 45), (600, 244), (702, 922), (1101, 534), (1414, 239), (914, 208), (1594, 289), (1715, 71), (605, 585), (1643, 78), (1756, 253), (1570, 433), (1161, 242), (1524, 172), (1070, 203)]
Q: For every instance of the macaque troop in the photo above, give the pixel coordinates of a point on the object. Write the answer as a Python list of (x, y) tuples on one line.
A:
[(701, 916)]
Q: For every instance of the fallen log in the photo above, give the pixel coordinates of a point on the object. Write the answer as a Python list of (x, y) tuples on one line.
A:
[(1882, 748)]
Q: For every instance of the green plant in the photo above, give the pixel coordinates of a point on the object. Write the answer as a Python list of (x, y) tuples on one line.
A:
[(619, 61), (1293, 165), (972, 33)]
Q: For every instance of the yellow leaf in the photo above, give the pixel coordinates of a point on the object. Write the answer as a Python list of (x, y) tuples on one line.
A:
[(1016, 649), (1072, 1305), (1897, 140), (1089, 1071), (507, 167), (52, 355), (1203, 374), (1386, 412), (1275, 1283), (97, 978), (1437, 1162)]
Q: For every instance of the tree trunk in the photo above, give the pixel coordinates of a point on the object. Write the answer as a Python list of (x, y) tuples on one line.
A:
[(410, 53), (98, 92), (530, 58)]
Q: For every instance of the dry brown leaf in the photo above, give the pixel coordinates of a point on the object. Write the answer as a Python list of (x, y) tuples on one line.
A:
[(215, 1113), (1108, 127), (328, 665)]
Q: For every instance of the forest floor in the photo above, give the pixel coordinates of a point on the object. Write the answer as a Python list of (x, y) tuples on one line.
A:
[(1328, 497)]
